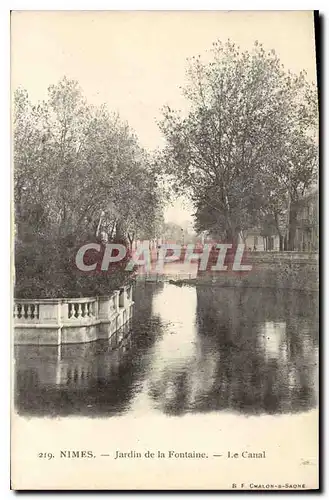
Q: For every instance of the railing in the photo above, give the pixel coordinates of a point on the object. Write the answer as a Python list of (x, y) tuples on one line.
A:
[(70, 312), (26, 310), (82, 308)]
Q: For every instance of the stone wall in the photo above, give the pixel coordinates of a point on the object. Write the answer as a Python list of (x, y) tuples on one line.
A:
[(288, 270)]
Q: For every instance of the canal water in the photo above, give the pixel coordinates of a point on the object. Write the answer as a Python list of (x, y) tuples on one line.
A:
[(188, 349)]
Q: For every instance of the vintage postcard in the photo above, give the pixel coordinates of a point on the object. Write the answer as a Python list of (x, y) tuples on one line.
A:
[(165, 241)]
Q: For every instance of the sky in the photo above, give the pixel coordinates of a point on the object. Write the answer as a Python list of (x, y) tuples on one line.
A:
[(135, 61)]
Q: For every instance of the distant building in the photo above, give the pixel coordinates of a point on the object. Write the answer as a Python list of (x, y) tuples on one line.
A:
[(255, 241), (307, 229)]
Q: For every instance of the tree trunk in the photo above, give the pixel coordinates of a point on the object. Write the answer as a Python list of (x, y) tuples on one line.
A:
[(285, 243), (281, 247), (120, 235), (131, 240), (281, 238), (229, 235)]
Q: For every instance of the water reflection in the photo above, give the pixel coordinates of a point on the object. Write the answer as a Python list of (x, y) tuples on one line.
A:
[(187, 350), (165, 386)]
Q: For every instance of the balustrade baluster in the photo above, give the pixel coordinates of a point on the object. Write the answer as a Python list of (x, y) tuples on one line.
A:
[(15, 311), (28, 311), (79, 311)]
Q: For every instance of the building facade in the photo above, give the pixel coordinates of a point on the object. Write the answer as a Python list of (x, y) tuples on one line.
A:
[(307, 227)]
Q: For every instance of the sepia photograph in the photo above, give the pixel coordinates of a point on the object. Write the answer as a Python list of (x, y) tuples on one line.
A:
[(165, 241)]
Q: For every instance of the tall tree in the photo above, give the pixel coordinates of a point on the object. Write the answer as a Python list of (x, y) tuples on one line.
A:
[(75, 161), (75, 165), (247, 128)]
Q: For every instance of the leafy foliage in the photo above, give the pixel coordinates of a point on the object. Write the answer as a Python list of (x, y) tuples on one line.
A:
[(74, 164), (247, 145)]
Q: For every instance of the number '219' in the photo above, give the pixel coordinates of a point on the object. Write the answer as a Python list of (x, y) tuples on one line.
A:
[(46, 455)]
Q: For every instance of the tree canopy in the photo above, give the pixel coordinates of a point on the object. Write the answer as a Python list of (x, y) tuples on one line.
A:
[(76, 165), (246, 148)]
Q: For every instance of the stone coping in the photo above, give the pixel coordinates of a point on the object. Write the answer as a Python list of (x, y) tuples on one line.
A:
[(69, 300)]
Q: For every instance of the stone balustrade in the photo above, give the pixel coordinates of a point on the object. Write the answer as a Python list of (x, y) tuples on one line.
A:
[(59, 321), (81, 309), (26, 310)]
